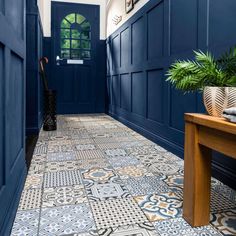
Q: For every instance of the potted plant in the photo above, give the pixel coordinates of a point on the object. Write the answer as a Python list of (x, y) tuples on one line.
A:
[(216, 78)]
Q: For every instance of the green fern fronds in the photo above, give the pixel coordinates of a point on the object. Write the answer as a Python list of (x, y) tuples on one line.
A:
[(204, 71)]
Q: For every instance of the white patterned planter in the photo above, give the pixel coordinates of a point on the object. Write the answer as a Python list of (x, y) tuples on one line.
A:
[(216, 99)]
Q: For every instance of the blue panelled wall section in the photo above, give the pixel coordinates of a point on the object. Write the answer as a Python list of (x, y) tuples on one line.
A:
[(34, 41), (12, 109), (140, 52)]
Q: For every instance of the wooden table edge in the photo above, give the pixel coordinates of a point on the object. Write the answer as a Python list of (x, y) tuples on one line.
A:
[(210, 121)]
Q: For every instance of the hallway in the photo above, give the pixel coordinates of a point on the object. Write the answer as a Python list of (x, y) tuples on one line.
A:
[(95, 176)]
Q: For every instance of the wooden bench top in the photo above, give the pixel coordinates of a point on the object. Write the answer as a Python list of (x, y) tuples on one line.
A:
[(212, 122)]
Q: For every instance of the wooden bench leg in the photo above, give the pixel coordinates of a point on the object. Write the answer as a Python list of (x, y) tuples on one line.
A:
[(197, 179)]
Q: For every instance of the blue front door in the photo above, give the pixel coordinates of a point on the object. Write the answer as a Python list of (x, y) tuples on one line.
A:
[(75, 37)]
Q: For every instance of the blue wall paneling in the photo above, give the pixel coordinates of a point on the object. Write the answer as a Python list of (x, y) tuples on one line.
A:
[(34, 42), (12, 109), (140, 52)]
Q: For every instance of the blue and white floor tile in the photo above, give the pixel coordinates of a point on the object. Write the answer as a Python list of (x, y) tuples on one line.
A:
[(66, 220), (96, 177)]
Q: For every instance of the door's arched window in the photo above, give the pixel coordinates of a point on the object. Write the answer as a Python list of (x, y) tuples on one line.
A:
[(75, 37)]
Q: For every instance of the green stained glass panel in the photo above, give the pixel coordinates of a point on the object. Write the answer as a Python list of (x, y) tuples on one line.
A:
[(65, 43), (65, 24), (86, 54), (71, 18), (85, 45), (86, 26), (85, 35), (75, 44), (65, 33), (80, 19), (65, 53), (75, 54), (75, 34)]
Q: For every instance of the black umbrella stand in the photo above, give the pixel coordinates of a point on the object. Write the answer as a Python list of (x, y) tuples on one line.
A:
[(50, 100)]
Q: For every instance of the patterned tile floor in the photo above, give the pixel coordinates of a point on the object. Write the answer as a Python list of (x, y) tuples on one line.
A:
[(95, 176)]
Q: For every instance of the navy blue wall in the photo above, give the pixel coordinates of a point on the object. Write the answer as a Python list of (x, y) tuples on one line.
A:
[(34, 41), (12, 109), (140, 52)]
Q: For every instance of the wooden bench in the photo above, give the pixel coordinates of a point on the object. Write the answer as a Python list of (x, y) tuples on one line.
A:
[(203, 134)]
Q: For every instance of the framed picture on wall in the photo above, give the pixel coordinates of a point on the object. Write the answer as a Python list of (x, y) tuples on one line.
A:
[(135, 1), (129, 5)]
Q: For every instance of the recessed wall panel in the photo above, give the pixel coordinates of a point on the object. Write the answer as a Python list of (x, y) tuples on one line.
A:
[(180, 103), (109, 58), (138, 93), (116, 52), (125, 91), (15, 13), (138, 42), (125, 48), (1, 6), (2, 78), (155, 32), (116, 90), (184, 25), (14, 107), (155, 95), (222, 15)]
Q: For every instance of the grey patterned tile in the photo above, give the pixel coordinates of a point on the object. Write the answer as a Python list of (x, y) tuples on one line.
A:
[(61, 156), (85, 147), (30, 199), (115, 152), (224, 190), (66, 195), (175, 182), (174, 227), (164, 168), (41, 148), (93, 163), (137, 171), (207, 231), (91, 233), (100, 175), (66, 220), (60, 136), (160, 206), (142, 229), (119, 161), (33, 181), (114, 213), (151, 158), (26, 223), (61, 166), (179, 227), (62, 178), (105, 191), (36, 168), (57, 148), (91, 154), (144, 149), (220, 203), (109, 145), (146, 185), (125, 139), (104, 140), (225, 222)]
